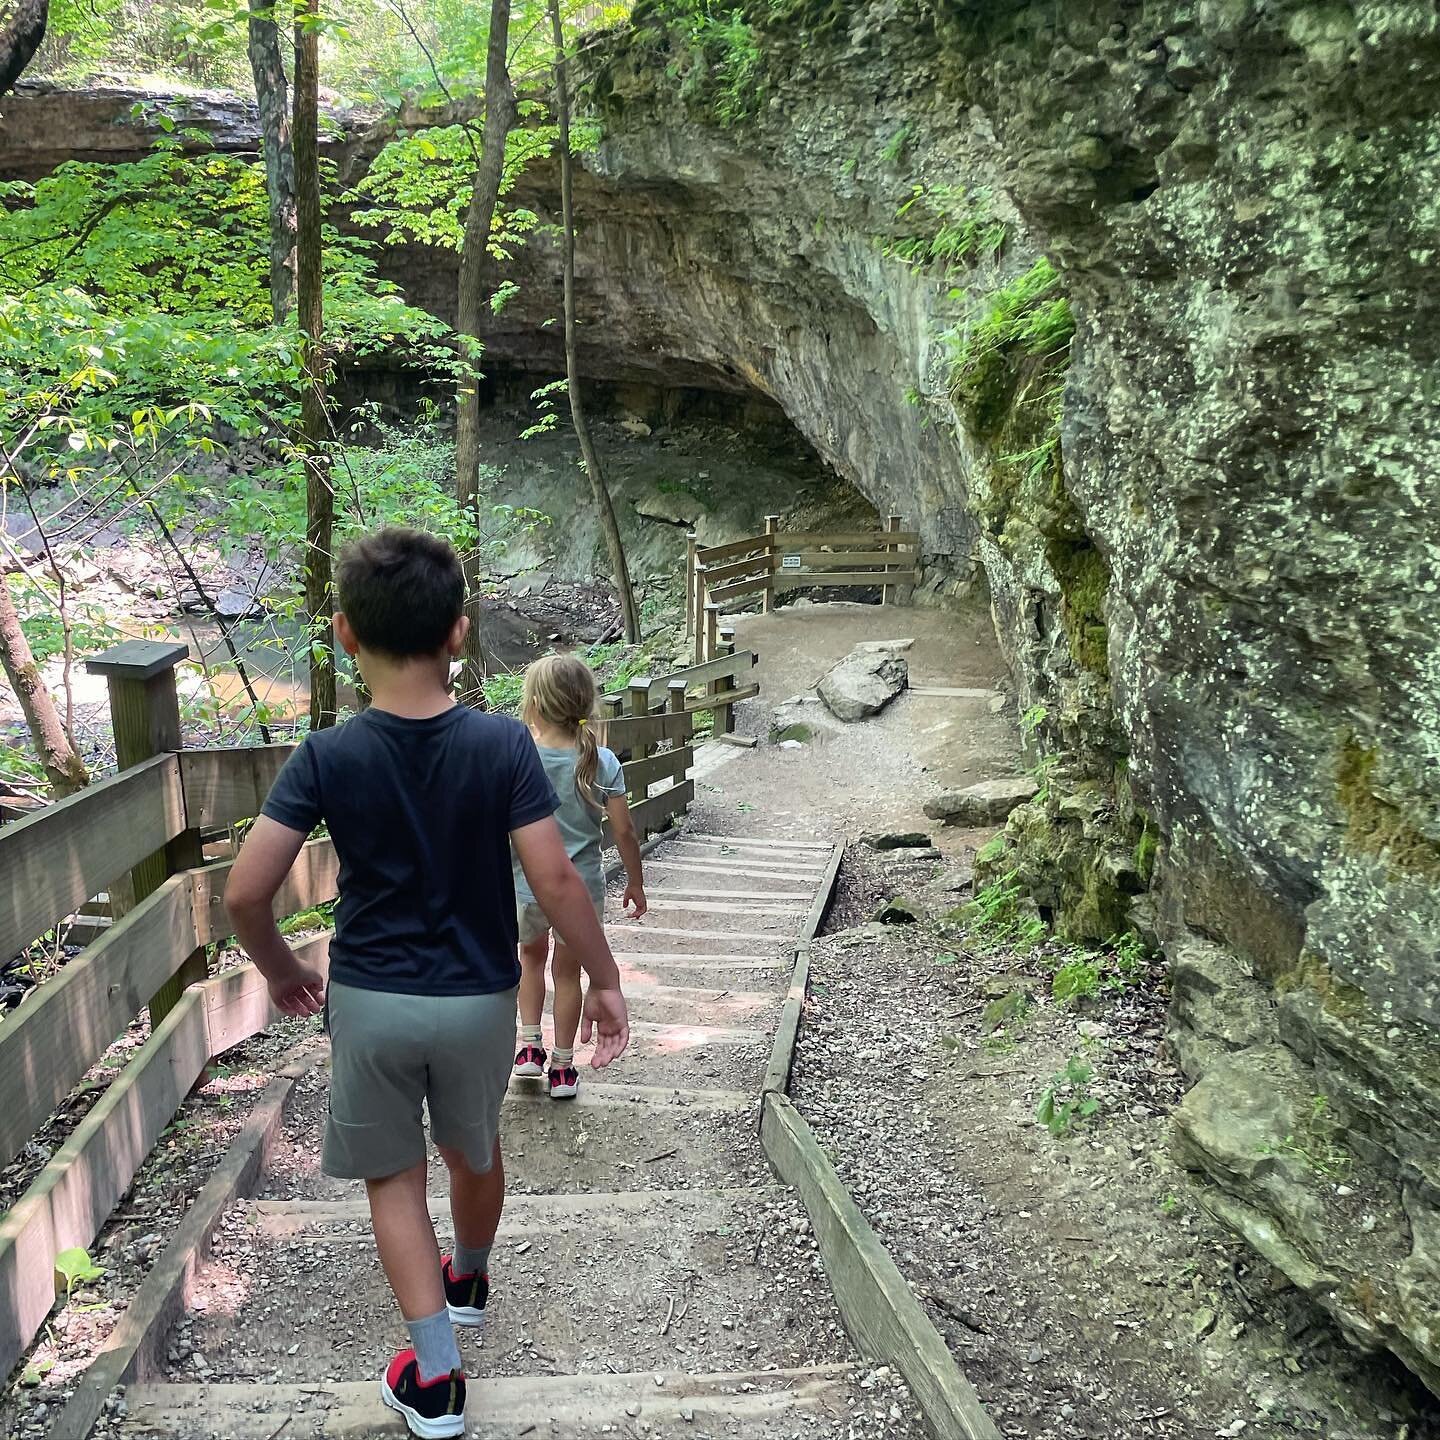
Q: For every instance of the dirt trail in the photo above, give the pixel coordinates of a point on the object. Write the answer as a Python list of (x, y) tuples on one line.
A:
[(651, 1278)]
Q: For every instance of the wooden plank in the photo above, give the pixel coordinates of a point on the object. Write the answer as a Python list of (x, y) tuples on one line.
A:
[(759, 843), (837, 579), (773, 937), (632, 732), (722, 593), (656, 812), (850, 559), (734, 548), (877, 1305), (52, 862), (716, 702), (705, 892), (237, 1003), (226, 785), (816, 917), (657, 767), (701, 869), (71, 1198), (312, 881), (735, 1402), (135, 1346), (787, 1032), (716, 907), (736, 665), (811, 540), (63, 1027), (754, 565)]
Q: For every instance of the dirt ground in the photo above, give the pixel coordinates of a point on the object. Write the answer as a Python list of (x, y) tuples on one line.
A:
[(1080, 1283)]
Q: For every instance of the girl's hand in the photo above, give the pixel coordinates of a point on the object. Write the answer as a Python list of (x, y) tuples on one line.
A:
[(634, 901)]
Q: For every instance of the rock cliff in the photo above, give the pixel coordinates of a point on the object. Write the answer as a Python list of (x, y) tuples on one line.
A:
[(1206, 523)]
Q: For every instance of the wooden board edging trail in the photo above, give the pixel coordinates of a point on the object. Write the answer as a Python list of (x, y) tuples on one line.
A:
[(131, 1350), (878, 1307)]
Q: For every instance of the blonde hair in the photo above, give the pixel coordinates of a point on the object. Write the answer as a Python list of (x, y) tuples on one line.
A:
[(560, 692)]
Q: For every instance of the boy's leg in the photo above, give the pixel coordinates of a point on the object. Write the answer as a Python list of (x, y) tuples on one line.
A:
[(476, 1201)]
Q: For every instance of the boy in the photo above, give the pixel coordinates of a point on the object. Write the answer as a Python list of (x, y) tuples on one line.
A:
[(423, 799)]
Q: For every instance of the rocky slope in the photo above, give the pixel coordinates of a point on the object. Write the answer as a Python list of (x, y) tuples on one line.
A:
[(1218, 590)]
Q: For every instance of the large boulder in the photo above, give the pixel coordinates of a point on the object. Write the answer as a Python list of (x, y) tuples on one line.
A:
[(863, 683), (987, 803)]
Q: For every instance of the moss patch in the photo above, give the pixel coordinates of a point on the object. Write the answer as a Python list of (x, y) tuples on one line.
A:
[(1084, 578), (1375, 826)]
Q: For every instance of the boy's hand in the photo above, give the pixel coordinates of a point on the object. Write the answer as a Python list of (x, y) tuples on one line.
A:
[(634, 901), (606, 1016), (300, 991)]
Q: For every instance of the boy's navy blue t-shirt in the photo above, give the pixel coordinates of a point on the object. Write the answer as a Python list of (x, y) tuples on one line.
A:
[(421, 813)]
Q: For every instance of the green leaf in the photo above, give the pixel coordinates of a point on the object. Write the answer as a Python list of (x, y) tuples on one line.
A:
[(75, 1266)]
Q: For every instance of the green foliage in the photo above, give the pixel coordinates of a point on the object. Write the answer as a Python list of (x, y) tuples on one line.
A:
[(992, 849), (1028, 318), (722, 70), (1076, 980), (75, 1267), (1146, 848), (318, 917), (1066, 1100), (1033, 719), (948, 224), (996, 915)]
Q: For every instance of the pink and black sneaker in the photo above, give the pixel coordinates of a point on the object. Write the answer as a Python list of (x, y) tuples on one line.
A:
[(530, 1062), (465, 1295), (564, 1082), (432, 1408)]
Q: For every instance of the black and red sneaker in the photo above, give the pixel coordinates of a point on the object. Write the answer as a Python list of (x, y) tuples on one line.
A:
[(530, 1062), (564, 1082), (433, 1409), (465, 1295)]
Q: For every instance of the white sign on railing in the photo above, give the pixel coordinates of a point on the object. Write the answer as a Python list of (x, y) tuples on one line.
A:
[(789, 562)]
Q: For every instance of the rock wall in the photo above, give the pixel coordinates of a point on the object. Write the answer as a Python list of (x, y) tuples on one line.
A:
[(1221, 589)]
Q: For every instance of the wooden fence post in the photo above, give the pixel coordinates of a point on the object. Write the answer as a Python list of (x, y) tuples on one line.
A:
[(675, 705), (637, 702), (888, 592), (700, 603), (767, 597), (723, 722), (145, 716), (689, 584), (711, 630)]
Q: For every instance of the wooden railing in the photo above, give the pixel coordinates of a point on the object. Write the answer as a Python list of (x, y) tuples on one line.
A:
[(769, 564), (137, 836)]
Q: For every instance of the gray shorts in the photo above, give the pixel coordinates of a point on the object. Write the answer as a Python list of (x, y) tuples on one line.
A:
[(534, 922), (389, 1053)]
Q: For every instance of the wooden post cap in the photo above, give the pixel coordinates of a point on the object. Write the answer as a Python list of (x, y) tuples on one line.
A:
[(138, 659)]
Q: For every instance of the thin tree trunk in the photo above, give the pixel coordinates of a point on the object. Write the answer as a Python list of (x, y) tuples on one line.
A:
[(629, 613), (63, 767), (22, 28), (309, 276), (268, 68), (470, 311)]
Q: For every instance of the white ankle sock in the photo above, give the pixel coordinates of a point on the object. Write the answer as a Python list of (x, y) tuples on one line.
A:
[(531, 1035), (559, 1057)]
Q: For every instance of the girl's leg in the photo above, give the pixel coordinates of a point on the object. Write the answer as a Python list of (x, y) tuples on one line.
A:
[(533, 955), (566, 970)]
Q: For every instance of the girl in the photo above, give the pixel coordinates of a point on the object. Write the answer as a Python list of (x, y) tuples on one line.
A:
[(560, 705)]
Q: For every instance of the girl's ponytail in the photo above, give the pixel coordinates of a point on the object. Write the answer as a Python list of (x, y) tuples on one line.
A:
[(560, 691)]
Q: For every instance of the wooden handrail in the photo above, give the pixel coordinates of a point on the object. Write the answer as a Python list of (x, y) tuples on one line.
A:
[(52, 862)]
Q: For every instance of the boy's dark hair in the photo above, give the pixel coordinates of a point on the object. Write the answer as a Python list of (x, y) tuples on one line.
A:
[(401, 590)]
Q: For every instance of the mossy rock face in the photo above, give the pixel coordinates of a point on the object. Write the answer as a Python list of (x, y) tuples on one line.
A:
[(802, 733)]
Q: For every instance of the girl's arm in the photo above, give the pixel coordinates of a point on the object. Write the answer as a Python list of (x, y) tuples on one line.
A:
[(628, 844)]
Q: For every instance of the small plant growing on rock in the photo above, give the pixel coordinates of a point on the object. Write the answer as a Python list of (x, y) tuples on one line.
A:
[(1066, 1100), (1076, 980)]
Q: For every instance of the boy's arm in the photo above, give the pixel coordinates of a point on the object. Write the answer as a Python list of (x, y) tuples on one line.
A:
[(562, 895), (622, 828), (260, 868)]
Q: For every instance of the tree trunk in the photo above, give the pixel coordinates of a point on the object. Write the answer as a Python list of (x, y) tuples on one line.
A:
[(22, 28), (499, 117), (309, 276), (268, 67), (629, 614), (63, 767)]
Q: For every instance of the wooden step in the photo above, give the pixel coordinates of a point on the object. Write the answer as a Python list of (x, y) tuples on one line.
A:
[(774, 937), (351, 1409), (699, 1211), (764, 844)]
